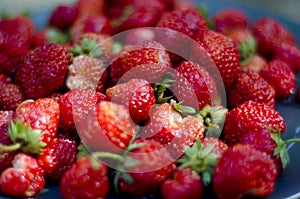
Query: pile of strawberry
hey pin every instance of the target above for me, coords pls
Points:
(69, 109)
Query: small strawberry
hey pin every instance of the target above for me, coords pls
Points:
(251, 173)
(87, 178)
(224, 53)
(228, 19)
(184, 183)
(255, 63)
(251, 86)
(44, 70)
(24, 179)
(137, 95)
(246, 116)
(279, 75)
(63, 16)
(10, 96)
(153, 167)
(58, 157)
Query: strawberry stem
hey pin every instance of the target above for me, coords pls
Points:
(109, 155)
(12, 147)
(291, 140)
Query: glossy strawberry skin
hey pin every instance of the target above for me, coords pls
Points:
(83, 180)
(279, 75)
(155, 166)
(90, 7)
(10, 96)
(184, 183)
(246, 116)
(251, 86)
(44, 70)
(97, 24)
(42, 114)
(24, 179)
(63, 16)
(137, 95)
(58, 157)
(251, 173)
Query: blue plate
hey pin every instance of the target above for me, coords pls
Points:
(288, 185)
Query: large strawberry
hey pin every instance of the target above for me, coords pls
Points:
(246, 116)
(24, 179)
(251, 173)
(87, 178)
(44, 70)
(63, 16)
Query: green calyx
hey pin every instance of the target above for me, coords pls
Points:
(24, 138)
(247, 49)
(88, 47)
(202, 9)
(160, 88)
(184, 110)
(56, 36)
(200, 159)
(213, 118)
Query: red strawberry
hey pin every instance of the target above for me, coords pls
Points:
(279, 75)
(224, 53)
(139, 36)
(184, 183)
(58, 157)
(154, 165)
(87, 178)
(4, 79)
(24, 179)
(150, 58)
(97, 24)
(49, 35)
(137, 95)
(10, 96)
(251, 173)
(194, 80)
(219, 146)
(63, 16)
(90, 7)
(270, 34)
(256, 63)
(44, 70)
(76, 104)
(251, 86)
(246, 116)
(228, 19)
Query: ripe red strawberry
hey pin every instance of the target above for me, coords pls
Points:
(4, 79)
(107, 128)
(137, 95)
(154, 165)
(219, 146)
(63, 16)
(44, 70)
(246, 116)
(10, 96)
(90, 7)
(270, 34)
(251, 86)
(6, 157)
(194, 83)
(224, 53)
(87, 178)
(279, 75)
(24, 179)
(151, 58)
(251, 173)
(76, 104)
(184, 183)
(139, 36)
(228, 19)
(256, 63)
(58, 157)
(49, 35)
(97, 24)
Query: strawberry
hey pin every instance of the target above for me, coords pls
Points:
(4, 79)
(270, 34)
(228, 19)
(137, 95)
(24, 179)
(154, 165)
(251, 86)
(246, 116)
(219, 146)
(75, 104)
(10, 96)
(150, 58)
(139, 36)
(90, 7)
(87, 178)
(107, 128)
(255, 63)
(184, 183)
(224, 53)
(44, 70)
(194, 80)
(58, 157)
(279, 75)
(6, 157)
(251, 173)
(63, 16)
(97, 24)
